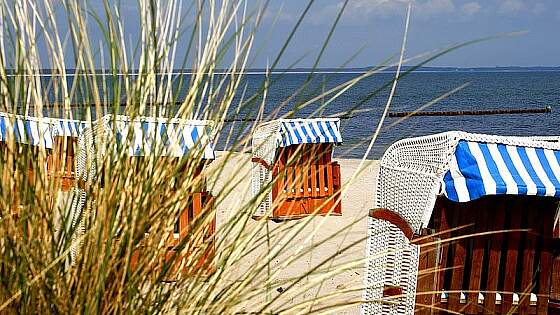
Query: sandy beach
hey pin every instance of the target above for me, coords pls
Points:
(345, 284)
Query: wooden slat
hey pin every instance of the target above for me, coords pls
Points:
(481, 211)
(443, 228)
(511, 258)
(330, 186)
(305, 169)
(289, 181)
(494, 257)
(298, 183)
(322, 181)
(528, 257)
(197, 204)
(184, 222)
(545, 260)
(459, 260)
(555, 281)
(337, 186)
(427, 275)
(314, 181)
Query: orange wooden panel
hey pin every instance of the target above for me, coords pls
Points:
(314, 180)
(322, 181)
(330, 185)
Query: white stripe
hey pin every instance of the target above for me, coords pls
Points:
(511, 185)
(21, 131)
(301, 132)
(289, 129)
(309, 133)
(187, 133)
(322, 138)
(487, 179)
(36, 139)
(327, 132)
(554, 166)
(514, 155)
(47, 135)
(138, 137)
(534, 159)
(459, 181)
(336, 136)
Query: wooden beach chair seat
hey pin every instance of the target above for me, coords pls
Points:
(292, 163)
(149, 141)
(465, 223)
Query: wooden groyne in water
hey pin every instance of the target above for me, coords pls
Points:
(547, 109)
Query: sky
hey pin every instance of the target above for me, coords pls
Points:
(375, 27)
(370, 31)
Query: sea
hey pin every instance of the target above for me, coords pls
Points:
(362, 104)
(484, 91)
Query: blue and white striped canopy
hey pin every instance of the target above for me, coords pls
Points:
(38, 131)
(34, 131)
(164, 137)
(478, 169)
(68, 127)
(299, 131)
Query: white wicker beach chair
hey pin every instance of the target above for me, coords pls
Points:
(271, 136)
(462, 167)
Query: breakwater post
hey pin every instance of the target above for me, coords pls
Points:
(547, 109)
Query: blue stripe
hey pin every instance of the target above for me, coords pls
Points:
(69, 124)
(146, 135)
(469, 168)
(308, 136)
(320, 125)
(450, 189)
(521, 185)
(287, 138)
(163, 133)
(315, 135)
(493, 169)
(3, 128)
(296, 132)
(331, 131)
(541, 190)
(16, 131)
(548, 171)
(194, 136)
(28, 134)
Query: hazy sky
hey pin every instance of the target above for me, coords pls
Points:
(377, 26)
(374, 28)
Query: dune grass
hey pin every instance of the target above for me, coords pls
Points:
(59, 261)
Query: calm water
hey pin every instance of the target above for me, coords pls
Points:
(487, 90)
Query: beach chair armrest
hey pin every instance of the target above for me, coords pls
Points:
(262, 162)
(394, 218)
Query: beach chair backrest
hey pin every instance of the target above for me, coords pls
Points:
(484, 270)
